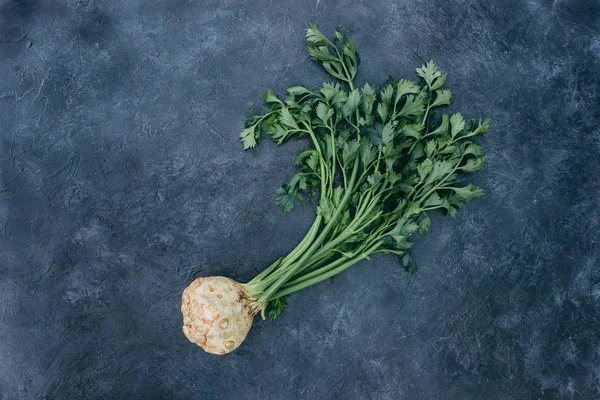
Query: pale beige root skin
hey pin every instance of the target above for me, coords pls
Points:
(217, 314)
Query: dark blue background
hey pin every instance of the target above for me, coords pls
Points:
(122, 179)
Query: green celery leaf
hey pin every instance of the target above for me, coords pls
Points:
(367, 152)
(350, 151)
(424, 168)
(430, 73)
(324, 112)
(276, 306)
(298, 181)
(352, 103)
(434, 200)
(342, 138)
(457, 122)
(468, 192)
(403, 87)
(286, 118)
(442, 129)
(409, 263)
(430, 147)
(472, 148)
(373, 133)
(314, 36)
(313, 161)
(413, 130)
(249, 137)
(278, 134)
(441, 169)
(473, 165)
(284, 199)
(350, 57)
(374, 179)
(366, 103)
(439, 82)
(387, 134)
(339, 34)
(325, 209)
(414, 106)
(387, 93)
(481, 128)
(321, 54)
(328, 90)
(339, 97)
(383, 112)
(448, 150)
(405, 227)
(424, 223)
(412, 209)
(442, 98)
(298, 91)
(334, 68)
(271, 97)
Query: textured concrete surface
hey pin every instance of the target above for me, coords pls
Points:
(122, 179)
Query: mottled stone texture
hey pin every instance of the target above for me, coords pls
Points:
(122, 180)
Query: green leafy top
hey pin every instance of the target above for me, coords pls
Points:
(380, 160)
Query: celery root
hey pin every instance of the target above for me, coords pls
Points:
(380, 161)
